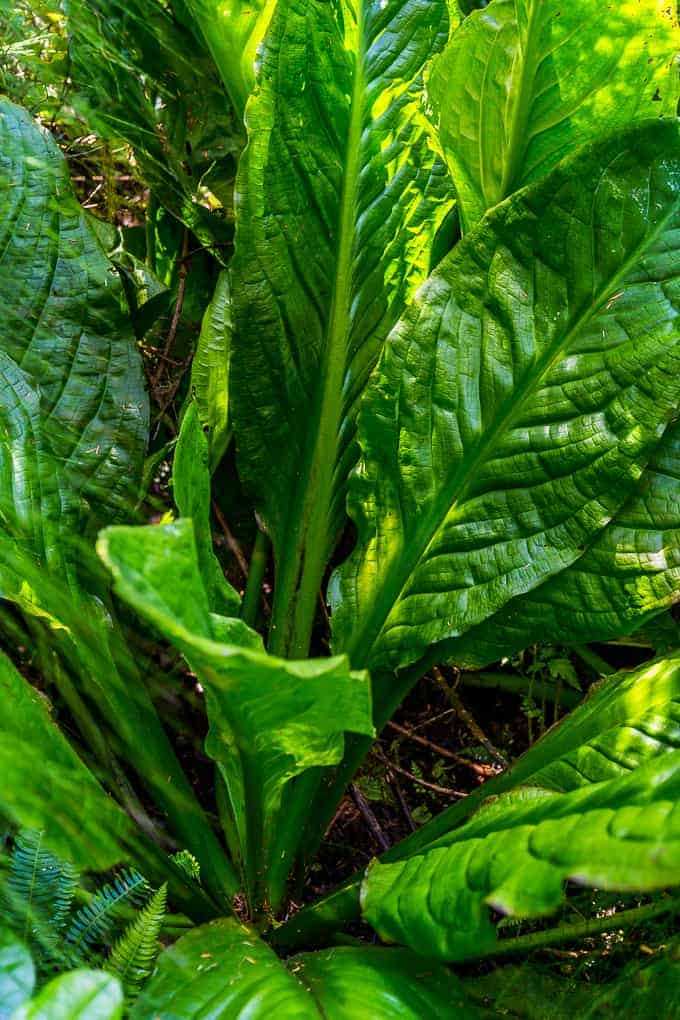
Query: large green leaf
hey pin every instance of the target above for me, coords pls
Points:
(631, 572)
(524, 81)
(271, 720)
(517, 402)
(84, 647)
(233, 31)
(17, 973)
(628, 720)
(210, 370)
(225, 969)
(338, 199)
(515, 855)
(36, 501)
(63, 321)
(74, 419)
(78, 995)
(45, 785)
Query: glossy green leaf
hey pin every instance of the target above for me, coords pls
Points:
(270, 719)
(47, 786)
(517, 402)
(225, 969)
(233, 31)
(525, 81)
(36, 500)
(78, 995)
(210, 370)
(372, 983)
(191, 490)
(17, 973)
(630, 573)
(83, 638)
(515, 855)
(338, 198)
(628, 720)
(63, 321)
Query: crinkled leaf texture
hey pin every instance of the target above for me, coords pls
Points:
(17, 973)
(628, 721)
(516, 854)
(74, 418)
(630, 574)
(338, 198)
(517, 402)
(64, 322)
(270, 719)
(524, 81)
(77, 995)
(226, 969)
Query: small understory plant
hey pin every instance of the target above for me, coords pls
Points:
(446, 353)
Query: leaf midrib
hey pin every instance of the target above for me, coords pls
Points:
(520, 115)
(312, 499)
(399, 571)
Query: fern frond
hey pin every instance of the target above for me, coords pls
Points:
(187, 863)
(91, 925)
(39, 888)
(133, 957)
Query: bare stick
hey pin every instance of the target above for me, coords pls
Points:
(177, 312)
(394, 782)
(468, 719)
(231, 541)
(443, 752)
(444, 790)
(369, 817)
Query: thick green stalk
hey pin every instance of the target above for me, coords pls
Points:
(256, 571)
(584, 929)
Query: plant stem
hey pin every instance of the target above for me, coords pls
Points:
(595, 661)
(517, 685)
(584, 929)
(256, 572)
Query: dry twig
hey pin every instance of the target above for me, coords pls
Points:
(369, 817)
(443, 752)
(468, 719)
(444, 790)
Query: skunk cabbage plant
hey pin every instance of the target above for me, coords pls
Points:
(446, 350)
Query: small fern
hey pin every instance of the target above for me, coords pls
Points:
(91, 925)
(39, 889)
(133, 956)
(187, 863)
